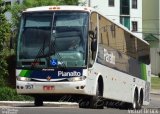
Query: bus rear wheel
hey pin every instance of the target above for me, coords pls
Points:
(140, 102)
(38, 101)
(134, 105)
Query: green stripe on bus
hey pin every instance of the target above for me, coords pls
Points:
(28, 73)
(25, 73)
(143, 72)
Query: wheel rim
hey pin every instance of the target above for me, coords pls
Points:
(134, 104)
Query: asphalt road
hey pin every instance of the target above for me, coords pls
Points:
(153, 108)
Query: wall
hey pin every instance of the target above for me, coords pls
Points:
(110, 12)
(136, 15)
(113, 13)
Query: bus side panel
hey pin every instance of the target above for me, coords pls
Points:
(117, 85)
(121, 74)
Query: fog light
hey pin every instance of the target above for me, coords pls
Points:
(23, 78)
(82, 87)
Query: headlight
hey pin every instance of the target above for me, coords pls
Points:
(74, 79)
(23, 79)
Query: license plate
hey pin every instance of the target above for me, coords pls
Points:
(48, 88)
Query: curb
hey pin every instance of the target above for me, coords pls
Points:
(31, 103)
(154, 91)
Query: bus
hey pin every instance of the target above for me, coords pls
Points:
(76, 52)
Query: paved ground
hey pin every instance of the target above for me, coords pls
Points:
(27, 107)
(55, 110)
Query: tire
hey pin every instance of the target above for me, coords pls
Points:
(97, 102)
(140, 102)
(134, 105)
(84, 103)
(38, 101)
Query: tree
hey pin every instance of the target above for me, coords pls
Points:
(4, 36)
(70, 2)
(34, 3)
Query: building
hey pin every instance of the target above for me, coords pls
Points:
(10, 2)
(126, 12)
(151, 31)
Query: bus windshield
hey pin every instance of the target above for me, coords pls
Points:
(47, 36)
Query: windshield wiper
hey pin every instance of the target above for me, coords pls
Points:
(55, 52)
(42, 54)
(52, 50)
(53, 45)
(39, 55)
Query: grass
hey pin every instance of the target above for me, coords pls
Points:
(155, 82)
(9, 94)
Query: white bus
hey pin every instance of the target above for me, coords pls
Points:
(74, 51)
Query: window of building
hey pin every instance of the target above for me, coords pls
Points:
(18, 1)
(125, 20)
(111, 3)
(124, 7)
(134, 25)
(134, 4)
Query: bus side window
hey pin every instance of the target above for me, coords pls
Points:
(144, 59)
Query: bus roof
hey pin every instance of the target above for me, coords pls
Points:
(56, 8)
(78, 8)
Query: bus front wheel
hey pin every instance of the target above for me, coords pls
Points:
(97, 102)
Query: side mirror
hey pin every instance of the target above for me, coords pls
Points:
(93, 41)
(94, 45)
(91, 34)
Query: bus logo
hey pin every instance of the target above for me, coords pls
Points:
(48, 78)
(109, 57)
(73, 73)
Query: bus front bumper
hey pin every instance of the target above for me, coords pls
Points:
(24, 87)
